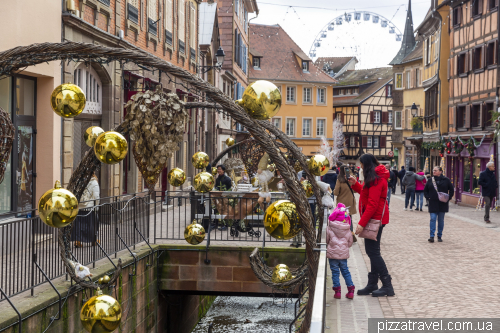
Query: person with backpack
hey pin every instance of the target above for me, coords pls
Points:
(409, 181)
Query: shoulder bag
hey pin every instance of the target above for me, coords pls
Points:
(370, 231)
(443, 197)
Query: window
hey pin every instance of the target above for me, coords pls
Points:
(492, 4)
(461, 118)
(417, 77)
(398, 121)
(355, 91)
(341, 92)
(476, 115)
(152, 17)
(388, 90)
(277, 122)
(477, 8)
(478, 58)
(133, 11)
(427, 51)
(320, 127)
(182, 29)
(169, 22)
(487, 116)
(376, 117)
(256, 63)
(306, 127)
(369, 141)
(192, 30)
(321, 96)
(352, 141)
(457, 16)
(389, 117)
(491, 58)
(306, 98)
(348, 91)
(305, 66)
(399, 80)
(290, 94)
(290, 127)
(462, 64)
(376, 141)
(408, 80)
(336, 92)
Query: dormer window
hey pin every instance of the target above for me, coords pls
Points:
(305, 66)
(256, 63)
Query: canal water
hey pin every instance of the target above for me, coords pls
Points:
(248, 315)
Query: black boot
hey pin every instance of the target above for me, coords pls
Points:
(371, 286)
(386, 289)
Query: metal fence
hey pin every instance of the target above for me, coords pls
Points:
(102, 229)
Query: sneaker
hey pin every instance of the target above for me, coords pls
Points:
(440, 240)
(431, 240)
(406, 208)
(411, 209)
(420, 209)
(488, 221)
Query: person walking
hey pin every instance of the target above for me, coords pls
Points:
(344, 192)
(373, 205)
(339, 240)
(86, 224)
(331, 179)
(489, 185)
(437, 208)
(428, 179)
(409, 181)
(394, 180)
(390, 181)
(419, 190)
(401, 175)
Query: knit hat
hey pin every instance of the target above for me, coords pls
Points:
(341, 214)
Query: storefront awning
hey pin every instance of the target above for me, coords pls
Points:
(415, 138)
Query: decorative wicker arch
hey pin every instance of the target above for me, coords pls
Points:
(263, 132)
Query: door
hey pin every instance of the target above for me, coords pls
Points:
(458, 178)
(24, 152)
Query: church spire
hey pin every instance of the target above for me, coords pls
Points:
(408, 43)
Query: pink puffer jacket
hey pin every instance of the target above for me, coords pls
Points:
(420, 185)
(339, 240)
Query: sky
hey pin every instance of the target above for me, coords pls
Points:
(369, 42)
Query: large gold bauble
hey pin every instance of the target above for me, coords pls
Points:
(281, 274)
(318, 165)
(101, 314)
(194, 233)
(58, 207)
(176, 177)
(282, 220)
(297, 166)
(91, 134)
(110, 147)
(261, 100)
(306, 185)
(230, 142)
(204, 182)
(214, 171)
(200, 160)
(67, 100)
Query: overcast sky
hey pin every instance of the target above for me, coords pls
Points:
(304, 24)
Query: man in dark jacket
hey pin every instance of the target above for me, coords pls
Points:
(394, 180)
(331, 178)
(223, 182)
(390, 181)
(437, 208)
(489, 185)
(401, 175)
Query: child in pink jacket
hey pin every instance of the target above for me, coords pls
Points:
(339, 240)
(419, 191)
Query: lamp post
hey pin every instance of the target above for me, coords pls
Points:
(414, 110)
(219, 55)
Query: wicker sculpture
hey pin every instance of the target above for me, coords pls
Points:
(262, 131)
(6, 140)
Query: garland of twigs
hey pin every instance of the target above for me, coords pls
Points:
(19, 57)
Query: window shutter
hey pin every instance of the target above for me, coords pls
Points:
(425, 52)
(342, 118)
(467, 116)
(385, 117)
(469, 61)
(348, 141)
(483, 48)
(496, 3)
(484, 115)
(449, 61)
(371, 117)
(495, 49)
(403, 118)
(383, 141)
(364, 141)
(481, 114)
(356, 141)
(480, 5)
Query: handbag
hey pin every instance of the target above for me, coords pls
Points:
(370, 231)
(443, 197)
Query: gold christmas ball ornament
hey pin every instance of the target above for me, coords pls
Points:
(318, 165)
(230, 142)
(297, 166)
(261, 100)
(91, 134)
(67, 100)
(194, 233)
(282, 220)
(214, 171)
(271, 167)
(176, 177)
(281, 274)
(204, 182)
(306, 185)
(110, 147)
(58, 207)
(200, 160)
(104, 280)
(101, 313)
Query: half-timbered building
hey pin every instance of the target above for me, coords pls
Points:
(473, 75)
(362, 100)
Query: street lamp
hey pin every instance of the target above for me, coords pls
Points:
(414, 110)
(219, 55)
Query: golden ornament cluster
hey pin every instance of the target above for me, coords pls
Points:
(307, 186)
(68, 100)
(204, 182)
(110, 147)
(176, 177)
(282, 220)
(58, 207)
(261, 100)
(318, 165)
(101, 313)
(281, 274)
(91, 134)
(200, 160)
(194, 233)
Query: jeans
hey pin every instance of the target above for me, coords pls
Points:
(372, 249)
(420, 199)
(440, 217)
(389, 191)
(487, 207)
(335, 264)
(402, 188)
(410, 193)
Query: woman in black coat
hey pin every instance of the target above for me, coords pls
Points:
(437, 209)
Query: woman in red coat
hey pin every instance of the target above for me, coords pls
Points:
(373, 205)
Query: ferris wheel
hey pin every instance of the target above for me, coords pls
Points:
(361, 34)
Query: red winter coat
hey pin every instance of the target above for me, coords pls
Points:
(420, 185)
(373, 199)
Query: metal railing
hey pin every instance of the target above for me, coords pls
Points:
(319, 302)
(26, 242)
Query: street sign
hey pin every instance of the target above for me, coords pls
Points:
(390, 154)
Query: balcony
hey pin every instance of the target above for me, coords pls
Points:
(417, 125)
